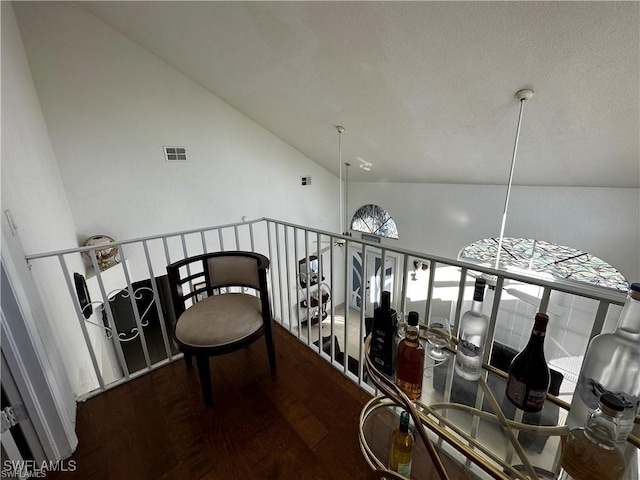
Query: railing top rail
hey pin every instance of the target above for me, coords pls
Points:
(55, 253)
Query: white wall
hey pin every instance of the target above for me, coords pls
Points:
(111, 106)
(442, 219)
(32, 190)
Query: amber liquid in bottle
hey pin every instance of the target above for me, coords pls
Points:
(410, 360)
(401, 447)
(590, 453)
(581, 461)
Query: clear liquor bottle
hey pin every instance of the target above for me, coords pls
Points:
(472, 336)
(590, 453)
(612, 365)
(410, 360)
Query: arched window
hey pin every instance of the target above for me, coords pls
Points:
(372, 219)
(545, 257)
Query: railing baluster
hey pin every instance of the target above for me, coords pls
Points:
(251, 240)
(308, 285)
(279, 267)
(134, 307)
(319, 292)
(544, 301)
(332, 352)
(403, 287)
(297, 277)
(156, 296)
(287, 273)
(271, 269)
(204, 243)
(363, 304)
(432, 281)
(110, 318)
(461, 286)
(81, 319)
(598, 322)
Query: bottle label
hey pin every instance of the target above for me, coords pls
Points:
(469, 349)
(470, 365)
(383, 349)
(404, 469)
(469, 357)
(523, 397)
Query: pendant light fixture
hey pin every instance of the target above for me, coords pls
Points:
(522, 96)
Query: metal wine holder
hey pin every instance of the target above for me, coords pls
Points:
(431, 417)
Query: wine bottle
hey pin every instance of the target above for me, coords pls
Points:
(612, 365)
(472, 336)
(590, 452)
(401, 447)
(383, 343)
(410, 360)
(529, 375)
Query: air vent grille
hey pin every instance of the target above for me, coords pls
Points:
(175, 154)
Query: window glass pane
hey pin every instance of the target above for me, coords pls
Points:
(374, 219)
(545, 257)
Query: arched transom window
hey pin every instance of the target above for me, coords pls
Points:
(375, 220)
(545, 257)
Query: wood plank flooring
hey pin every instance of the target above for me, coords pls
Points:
(298, 424)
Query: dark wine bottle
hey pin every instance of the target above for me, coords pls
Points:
(529, 375)
(383, 334)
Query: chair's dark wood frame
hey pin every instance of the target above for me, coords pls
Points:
(202, 354)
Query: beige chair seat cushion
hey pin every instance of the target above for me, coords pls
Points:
(219, 320)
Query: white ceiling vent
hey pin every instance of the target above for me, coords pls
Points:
(175, 154)
(305, 181)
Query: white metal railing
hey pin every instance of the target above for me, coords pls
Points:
(338, 290)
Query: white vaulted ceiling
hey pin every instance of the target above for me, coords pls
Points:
(425, 90)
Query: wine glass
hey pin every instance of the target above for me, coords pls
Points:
(402, 326)
(438, 337)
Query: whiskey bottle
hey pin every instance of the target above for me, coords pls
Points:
(472, 335)
(383, 336)
(529, 374)
(410, 360)
(401, 447)
(590, 452)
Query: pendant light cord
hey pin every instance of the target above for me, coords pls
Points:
(340, 206)
(521, 95)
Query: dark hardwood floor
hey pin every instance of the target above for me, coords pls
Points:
(301, 423)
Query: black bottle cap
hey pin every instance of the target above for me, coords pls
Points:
(404, 421)
(413, 319)
(385, 300)
(634, 291)
(611, 401)
(478, 294)
(635, 287)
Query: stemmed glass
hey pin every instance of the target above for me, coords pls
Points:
(438, 337)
